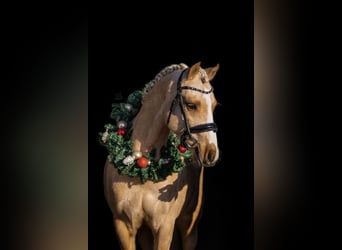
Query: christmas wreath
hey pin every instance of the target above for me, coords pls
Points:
(116, 139)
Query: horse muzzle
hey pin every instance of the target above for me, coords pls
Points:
(207, 153)
(210, 155)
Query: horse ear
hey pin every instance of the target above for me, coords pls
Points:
(194, 70)
(211, 72)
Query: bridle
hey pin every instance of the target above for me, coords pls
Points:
(187, 139)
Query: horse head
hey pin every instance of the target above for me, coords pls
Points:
(191, 112)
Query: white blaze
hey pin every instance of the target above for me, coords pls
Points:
(210, 119)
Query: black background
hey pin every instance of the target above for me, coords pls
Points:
(128, 51)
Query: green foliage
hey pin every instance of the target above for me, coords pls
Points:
(119, 147)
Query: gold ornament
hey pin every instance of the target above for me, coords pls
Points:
(137, 154)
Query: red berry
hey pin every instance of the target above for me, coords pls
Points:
(181, 148)
(121, 131)
(142, 162)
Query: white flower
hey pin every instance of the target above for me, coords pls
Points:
(128, 160)
(104, 137)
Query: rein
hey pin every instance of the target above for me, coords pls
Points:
(186, 138)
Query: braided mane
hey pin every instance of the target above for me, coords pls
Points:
(165, 71)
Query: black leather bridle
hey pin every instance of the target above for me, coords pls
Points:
(187, 139)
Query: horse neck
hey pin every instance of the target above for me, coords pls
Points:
(150, 130)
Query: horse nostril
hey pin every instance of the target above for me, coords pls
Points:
(211, 154)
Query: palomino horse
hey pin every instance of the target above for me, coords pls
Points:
(164, 213)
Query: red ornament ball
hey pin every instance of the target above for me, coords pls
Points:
(181, 148)
(142, 162)
(121, 131)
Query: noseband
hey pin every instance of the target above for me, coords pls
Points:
(186, 138)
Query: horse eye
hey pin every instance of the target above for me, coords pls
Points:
(190, 106)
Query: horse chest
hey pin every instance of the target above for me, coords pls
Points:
(149, 201)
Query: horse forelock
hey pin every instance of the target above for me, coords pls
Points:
(165, 71)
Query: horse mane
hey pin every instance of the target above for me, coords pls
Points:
(165, 71)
